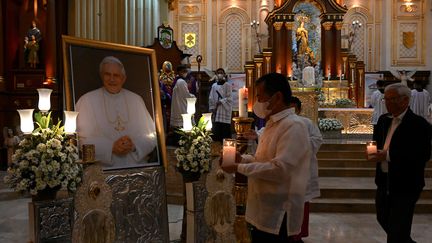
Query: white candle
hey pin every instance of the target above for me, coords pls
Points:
(243, 102)
(229, 151)
(371, 147)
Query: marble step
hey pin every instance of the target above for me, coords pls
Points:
(355, 172)
(423, 206)
(351, 163)
(341, 155)
(343, 147)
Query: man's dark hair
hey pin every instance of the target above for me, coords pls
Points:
(181, 68)
(296, 101)
(220, 69)
(274, 82)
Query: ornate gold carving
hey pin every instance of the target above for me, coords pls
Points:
(310, 100)
(190, 9)
(289, 25)
(408, 8)
(327, 25)
(408, 39)
(338, 25)
(277, 25)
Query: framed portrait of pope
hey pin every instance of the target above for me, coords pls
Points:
(115, 90)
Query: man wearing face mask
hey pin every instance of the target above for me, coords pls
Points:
(220, 104)
(279, 170)
(179, 102)
(377, 102)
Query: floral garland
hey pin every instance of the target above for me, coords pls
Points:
(329, 124)
(45, 159)
(344, 102)
(194, 153)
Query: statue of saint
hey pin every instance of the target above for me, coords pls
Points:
(31, 45)
(302, 39)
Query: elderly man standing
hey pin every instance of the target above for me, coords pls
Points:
(279, 171)
(404, 147)
(115, 120)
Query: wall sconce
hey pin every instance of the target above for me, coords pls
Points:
(44, 104)
(207, 118)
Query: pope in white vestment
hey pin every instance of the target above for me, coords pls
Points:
(115, 120)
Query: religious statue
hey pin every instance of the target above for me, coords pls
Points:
(32, 44)
(403, 76)
(10, 141)
(31, 51)
(302, 39)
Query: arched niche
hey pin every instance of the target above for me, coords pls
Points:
(281, 23)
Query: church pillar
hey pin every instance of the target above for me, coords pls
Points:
(327, 49)
(338, 45)
(352, 80)
(267, 59)
(279, 49)
(50, 44)
(250, 78)
(288, 56)
(360, 84)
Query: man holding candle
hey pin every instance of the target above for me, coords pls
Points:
(279, 171)
(404, 146)
(220, 104)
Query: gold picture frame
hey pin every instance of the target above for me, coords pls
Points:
(81, 59)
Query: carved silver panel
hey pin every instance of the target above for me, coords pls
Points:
(139, 204)
(53, 220)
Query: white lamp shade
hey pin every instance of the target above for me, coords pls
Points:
(187, 122)
(191, 105)
(26, 120)
(207, 118)
(44, 104)
(70, 121)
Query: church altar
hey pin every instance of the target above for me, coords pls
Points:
(354, 120)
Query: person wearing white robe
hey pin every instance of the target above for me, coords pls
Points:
(377, 102)
(420, 101)
(179, 102)
(115, 120)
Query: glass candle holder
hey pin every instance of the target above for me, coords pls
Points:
(44, 104)
(187, 122)
(191, 105)
(70, 122)
(207, 118)
(26, 120)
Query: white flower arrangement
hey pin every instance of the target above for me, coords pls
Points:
(45, 159)
(344, 102)
(194, 153)
(329, 124)
(320, 95)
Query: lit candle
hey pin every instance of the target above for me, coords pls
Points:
(187, 122)
(26, 120)
(371, 147)
(207, 118)
(329, 73)
(229, 151)
(243, 102)
(191, 105)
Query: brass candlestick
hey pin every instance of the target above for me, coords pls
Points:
(241, 125)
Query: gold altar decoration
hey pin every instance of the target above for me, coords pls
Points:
(354, 120)
(241, 125)
(190, 39)
(408, 39)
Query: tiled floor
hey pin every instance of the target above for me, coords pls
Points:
(324, 227)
